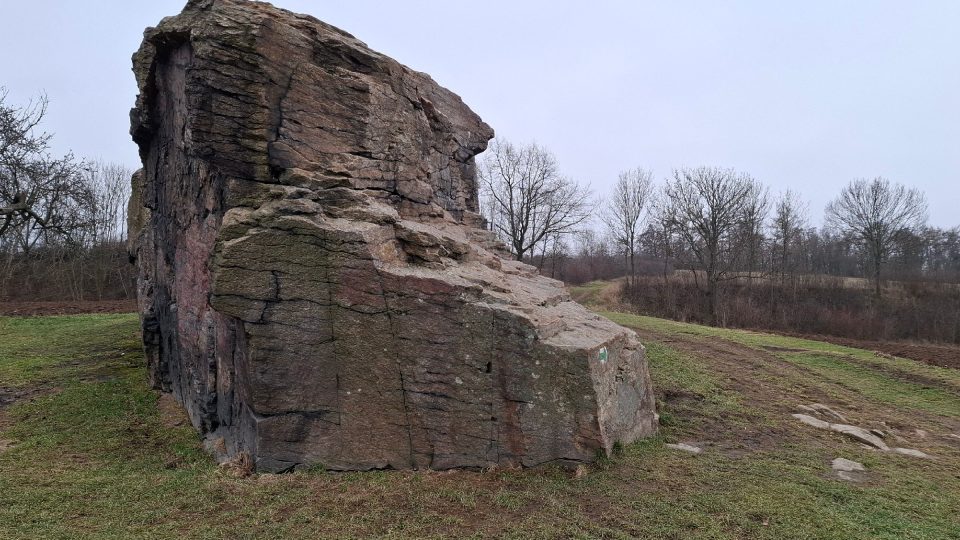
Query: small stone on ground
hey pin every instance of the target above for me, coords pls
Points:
(847, 465)
(850, 476)
(824, 409)
(811, 421)
(685, 447)
(857, 433)
(913, 453)
(860, 434)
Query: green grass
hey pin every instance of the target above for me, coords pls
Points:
(589, 293)
(34, 349)
(883, 379)
(763, 339)
(93, 458)
(684, 375)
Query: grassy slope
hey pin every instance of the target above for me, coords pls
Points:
(94, 457)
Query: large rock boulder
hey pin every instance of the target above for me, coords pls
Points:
(316, 286)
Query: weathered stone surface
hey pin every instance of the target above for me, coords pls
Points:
(859, 434)
(825, 410)
(854, 432)
(811, 421)
(315, 283)
(912, 453)
(846, 465)
(684, 447)
(849, 470)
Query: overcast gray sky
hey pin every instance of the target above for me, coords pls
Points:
(804, 96)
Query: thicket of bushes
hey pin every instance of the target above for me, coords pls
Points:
(811, 305)
(68, 273)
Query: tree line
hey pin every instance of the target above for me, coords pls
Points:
(62, 219)
(715, 235)
(718, 233)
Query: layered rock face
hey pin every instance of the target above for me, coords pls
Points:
(316, 286)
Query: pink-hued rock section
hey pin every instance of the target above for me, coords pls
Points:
(315, 283)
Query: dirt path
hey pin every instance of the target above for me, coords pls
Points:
(772, 388)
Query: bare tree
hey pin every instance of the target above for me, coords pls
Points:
(659, 240)
(707, 207)
(526, 198)
(102, 257)
(876, 213)
(786, 227)
(109, 184)
(623, 213)
(40, 195)
(62, 220)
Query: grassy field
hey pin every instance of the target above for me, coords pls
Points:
(86, 451)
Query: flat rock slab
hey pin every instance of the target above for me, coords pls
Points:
(848, 470)
(859, 434)
(827, 411)
(684, 447)
(811, 421)
(851, 476)
(315, 281)
(912, 453)
(843, 464)
(856, 433)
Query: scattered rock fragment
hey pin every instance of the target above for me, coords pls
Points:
(879, 433)
(854, 432)
(912, 453)
(847, 465)
(849, 470)
(861, 435)
(827, 411)
(685, 447)
(811, 421)
(869, 438)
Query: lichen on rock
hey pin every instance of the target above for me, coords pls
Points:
(315, 283)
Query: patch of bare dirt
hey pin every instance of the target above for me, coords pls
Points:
(768, 386)
(8, 396)
(30, 309)
(774, 388)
